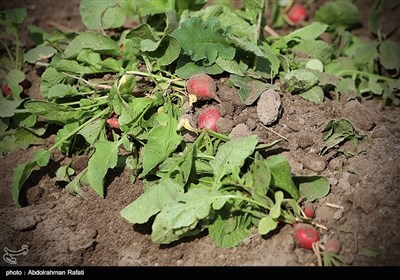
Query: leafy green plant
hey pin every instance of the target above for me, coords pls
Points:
(337, 132)
(136, 76)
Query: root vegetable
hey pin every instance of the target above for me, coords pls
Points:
(309, 210)
(305, 235)
(203, 87)
(297, 13)
(6, 90)
(113, 122)
(333, 246)
(208, 119)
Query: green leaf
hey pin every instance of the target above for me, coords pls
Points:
(231, 156)
(93, 131)
(315, 64)
(370, 252)
(165, 51)
(63, 133)
(52, 111)
(64, 173)
(275, 211)
(246, 45)
(337, 132)
(339, 13)
(42, 157)
(21, 139)
(23, 171)
(177, 219)
(390, 55)
(314, 94)
(312, 187)
(314, 49)
(50, 78)
(163, 139)
(152, 201)
(7, 106)
(250, 89)
(73, 66)
(13, 79)
(74, 186)
(126, 85)
(229, 229)
(261, 175)
(203, 40)
(15, 16)
(231, 66)
(374, 86)
(102, 14)
(267, 224)
(39, 53)
(299, 80)
(89, 57)
(4, 124)
(185, 69)
(151, 7)
(309, 32)
(60, 91)
(21, 174)
(281, 175)
(90, 40)
(374, 16)
(105, 157)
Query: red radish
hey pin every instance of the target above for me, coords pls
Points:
(6, 90)
(305, 235)
(202, 86)
(309, 210)
(113, 122)
(333, 246)
(208, 119)
(297, 13)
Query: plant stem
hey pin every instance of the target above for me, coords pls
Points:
(7, 50)
(218, 135)
(249, 200)
(176, 82)
(76, 130)
(350, 72)
(17, 44)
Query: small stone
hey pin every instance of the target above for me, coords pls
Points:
(314, 162)
(224, 125)
(380, 132)
(246, 241)
(269, 106)
(179, 262)
(23, 223)
(332, 181)
(358, 115)
(239, 131)
(353, 179)
(338, 214)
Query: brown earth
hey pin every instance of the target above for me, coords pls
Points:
(61, 229)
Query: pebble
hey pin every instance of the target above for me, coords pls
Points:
(23, 223)
(338, 214)
(239, 131)
(314, 162)
(358, 115)
(269, 106)
(380, 132)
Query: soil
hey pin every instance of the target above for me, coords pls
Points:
(65, 230)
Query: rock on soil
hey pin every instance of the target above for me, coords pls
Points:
(360, 117)
(269, 106)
